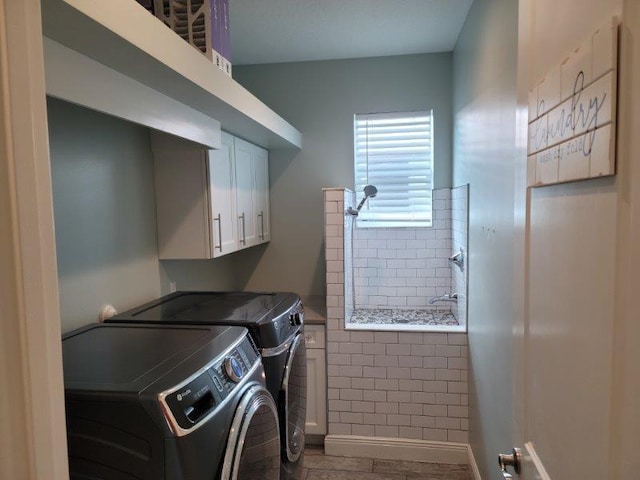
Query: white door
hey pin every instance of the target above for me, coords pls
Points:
(566, 360)
(569, 357)
(224, 234)
(246, 216)
(261, 188)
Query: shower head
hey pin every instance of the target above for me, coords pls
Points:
(369, 191)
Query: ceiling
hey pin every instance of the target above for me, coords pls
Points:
(275, 31)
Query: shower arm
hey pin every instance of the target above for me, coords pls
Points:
(360, 205)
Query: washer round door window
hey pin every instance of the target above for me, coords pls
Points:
(294, 385)
(253, 448)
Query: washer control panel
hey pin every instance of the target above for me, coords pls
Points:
(296, 314)
(194, 401)
(233, 369)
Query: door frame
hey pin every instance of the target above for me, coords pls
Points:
(521, 225)
(34, 437)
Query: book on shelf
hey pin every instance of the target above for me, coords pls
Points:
(226, 37)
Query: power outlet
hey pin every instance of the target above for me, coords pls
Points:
(172, 287)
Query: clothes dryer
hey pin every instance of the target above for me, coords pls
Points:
(171, 403)
(276, 324)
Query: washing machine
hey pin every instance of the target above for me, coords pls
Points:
(168, 403)
(275, 322)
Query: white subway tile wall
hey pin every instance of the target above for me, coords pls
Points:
(404, 267)
(388, 384)
(460, 239)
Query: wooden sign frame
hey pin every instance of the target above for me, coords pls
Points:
(572, 114)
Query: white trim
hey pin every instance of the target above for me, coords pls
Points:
(396, 449)
(537, 463)
(473, 466)
(30, 284)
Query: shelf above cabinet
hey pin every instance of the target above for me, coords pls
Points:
(123, 36)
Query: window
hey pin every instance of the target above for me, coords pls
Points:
(394, 152)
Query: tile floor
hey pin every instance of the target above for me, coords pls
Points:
(319, 466)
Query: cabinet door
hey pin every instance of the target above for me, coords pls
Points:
(245, 213)
(261, 188)
(224, 234)
(316, 381)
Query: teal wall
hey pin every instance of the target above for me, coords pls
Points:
(105, 219)
(320, 99)
(104, 209)
(484, 106)
(104, 201)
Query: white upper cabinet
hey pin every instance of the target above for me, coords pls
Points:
(115, 57)
(209, 202)
(245, 193)
(252, 176)
(261, 178)
(222, 190)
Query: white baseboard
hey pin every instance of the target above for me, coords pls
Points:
(396, 449)
(473, 465)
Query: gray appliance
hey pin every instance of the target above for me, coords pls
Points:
(171, 403)
(275, 322)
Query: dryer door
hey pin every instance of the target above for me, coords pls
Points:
(294, 386)
(253, 448)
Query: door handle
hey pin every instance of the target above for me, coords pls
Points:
(219, 220)
(261, 215)
(510, 460)
(244, 236)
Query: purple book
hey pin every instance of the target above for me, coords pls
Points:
(226, 33)
(216, 27)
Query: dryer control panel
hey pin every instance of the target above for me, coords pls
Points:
(194, 401)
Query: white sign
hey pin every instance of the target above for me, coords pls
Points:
(572, 114)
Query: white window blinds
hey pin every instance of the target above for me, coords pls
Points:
(394, 152)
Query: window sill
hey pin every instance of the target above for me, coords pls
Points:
(378, 224)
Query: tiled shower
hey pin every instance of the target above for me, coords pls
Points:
(394, 383)
(395, 278)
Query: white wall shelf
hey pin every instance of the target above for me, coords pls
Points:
(123, 36)
(101, 88)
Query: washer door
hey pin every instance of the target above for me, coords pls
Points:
(253, 448)
(294, 386)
